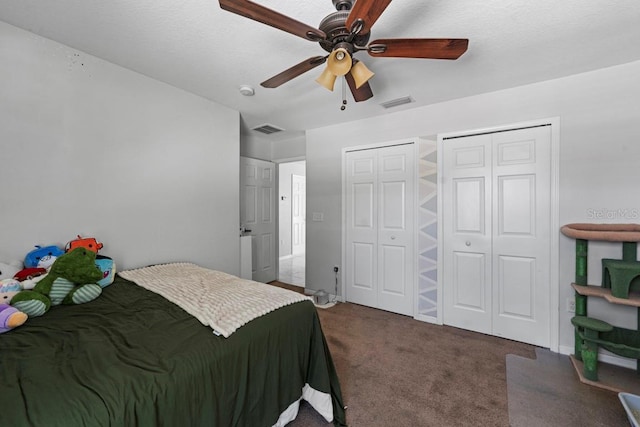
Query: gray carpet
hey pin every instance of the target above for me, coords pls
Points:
(396, 371)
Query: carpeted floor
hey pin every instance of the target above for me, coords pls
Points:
(396, 371)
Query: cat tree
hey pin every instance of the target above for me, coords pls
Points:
(620, 283)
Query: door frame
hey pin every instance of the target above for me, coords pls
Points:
(277, 202)
(554, 227)
(343, 258)
(303, 215)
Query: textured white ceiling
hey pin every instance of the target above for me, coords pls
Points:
(196, 46)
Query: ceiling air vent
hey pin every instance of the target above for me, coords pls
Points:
(397, 102)
(267, 129)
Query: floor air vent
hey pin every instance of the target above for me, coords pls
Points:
(267, 129)
(397, 102)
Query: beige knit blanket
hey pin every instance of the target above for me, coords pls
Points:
(219, 300)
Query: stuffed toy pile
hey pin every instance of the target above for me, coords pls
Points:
(51, 276)
(72, 279)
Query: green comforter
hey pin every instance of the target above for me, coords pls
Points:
(132, 358)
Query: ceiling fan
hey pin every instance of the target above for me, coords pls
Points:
(344, 33)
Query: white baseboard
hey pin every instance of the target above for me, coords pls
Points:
(606, 357)
(427, 319)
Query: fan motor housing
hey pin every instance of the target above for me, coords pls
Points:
(343, 4)
(335, 29)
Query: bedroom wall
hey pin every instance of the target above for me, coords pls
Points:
(94, 149)
(288, 150)
(599, 149)
(277, 151)
(255, 147)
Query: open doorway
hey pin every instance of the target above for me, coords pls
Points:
(292, 222)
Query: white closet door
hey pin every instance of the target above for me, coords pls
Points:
(521, 233)
(496, 233)
(362, 227)
(380, 228)
(396, 210)
(467, 222)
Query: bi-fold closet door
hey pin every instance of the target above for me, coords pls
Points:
(496, 223)
(379, 234)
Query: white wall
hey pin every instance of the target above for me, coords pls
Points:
(285, 171)
(255, 147)
(94, 149)
(288, 149)
(599, 151)
(263, 148)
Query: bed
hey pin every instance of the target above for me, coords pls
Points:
(132, 357)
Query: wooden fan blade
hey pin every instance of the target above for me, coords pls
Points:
(272, 18)
(361, 94)
(367, 10)
(419, 48)
(294, 71)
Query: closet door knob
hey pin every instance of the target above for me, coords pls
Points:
(468, 243)
(393, 237)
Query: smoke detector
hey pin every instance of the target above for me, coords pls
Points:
(247, 90)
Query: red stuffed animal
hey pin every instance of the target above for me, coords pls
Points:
(86, 242)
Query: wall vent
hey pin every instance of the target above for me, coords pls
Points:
(267, 129)
(397, 102)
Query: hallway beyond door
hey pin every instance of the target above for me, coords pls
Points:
(292, 270)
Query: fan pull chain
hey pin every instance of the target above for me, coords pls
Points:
(344, 95)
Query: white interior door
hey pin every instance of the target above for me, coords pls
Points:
(522, 234)
(257, 215)
(467, 240)
(380, 213)
(361, 227)
(298, 213)
(497, 233)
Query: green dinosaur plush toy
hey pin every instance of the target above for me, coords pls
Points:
(72, 279)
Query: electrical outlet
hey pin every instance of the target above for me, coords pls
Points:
(571, 305)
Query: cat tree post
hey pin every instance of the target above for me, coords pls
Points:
(582, 250)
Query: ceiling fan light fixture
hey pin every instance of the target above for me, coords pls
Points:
(343, 33)
(327, 79)
(339, 62)
(360, 73)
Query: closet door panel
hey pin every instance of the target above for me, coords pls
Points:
(396, 210)
(467, 263)
(361, 228)
(516, 279)
(379, 240)
(521, 217)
